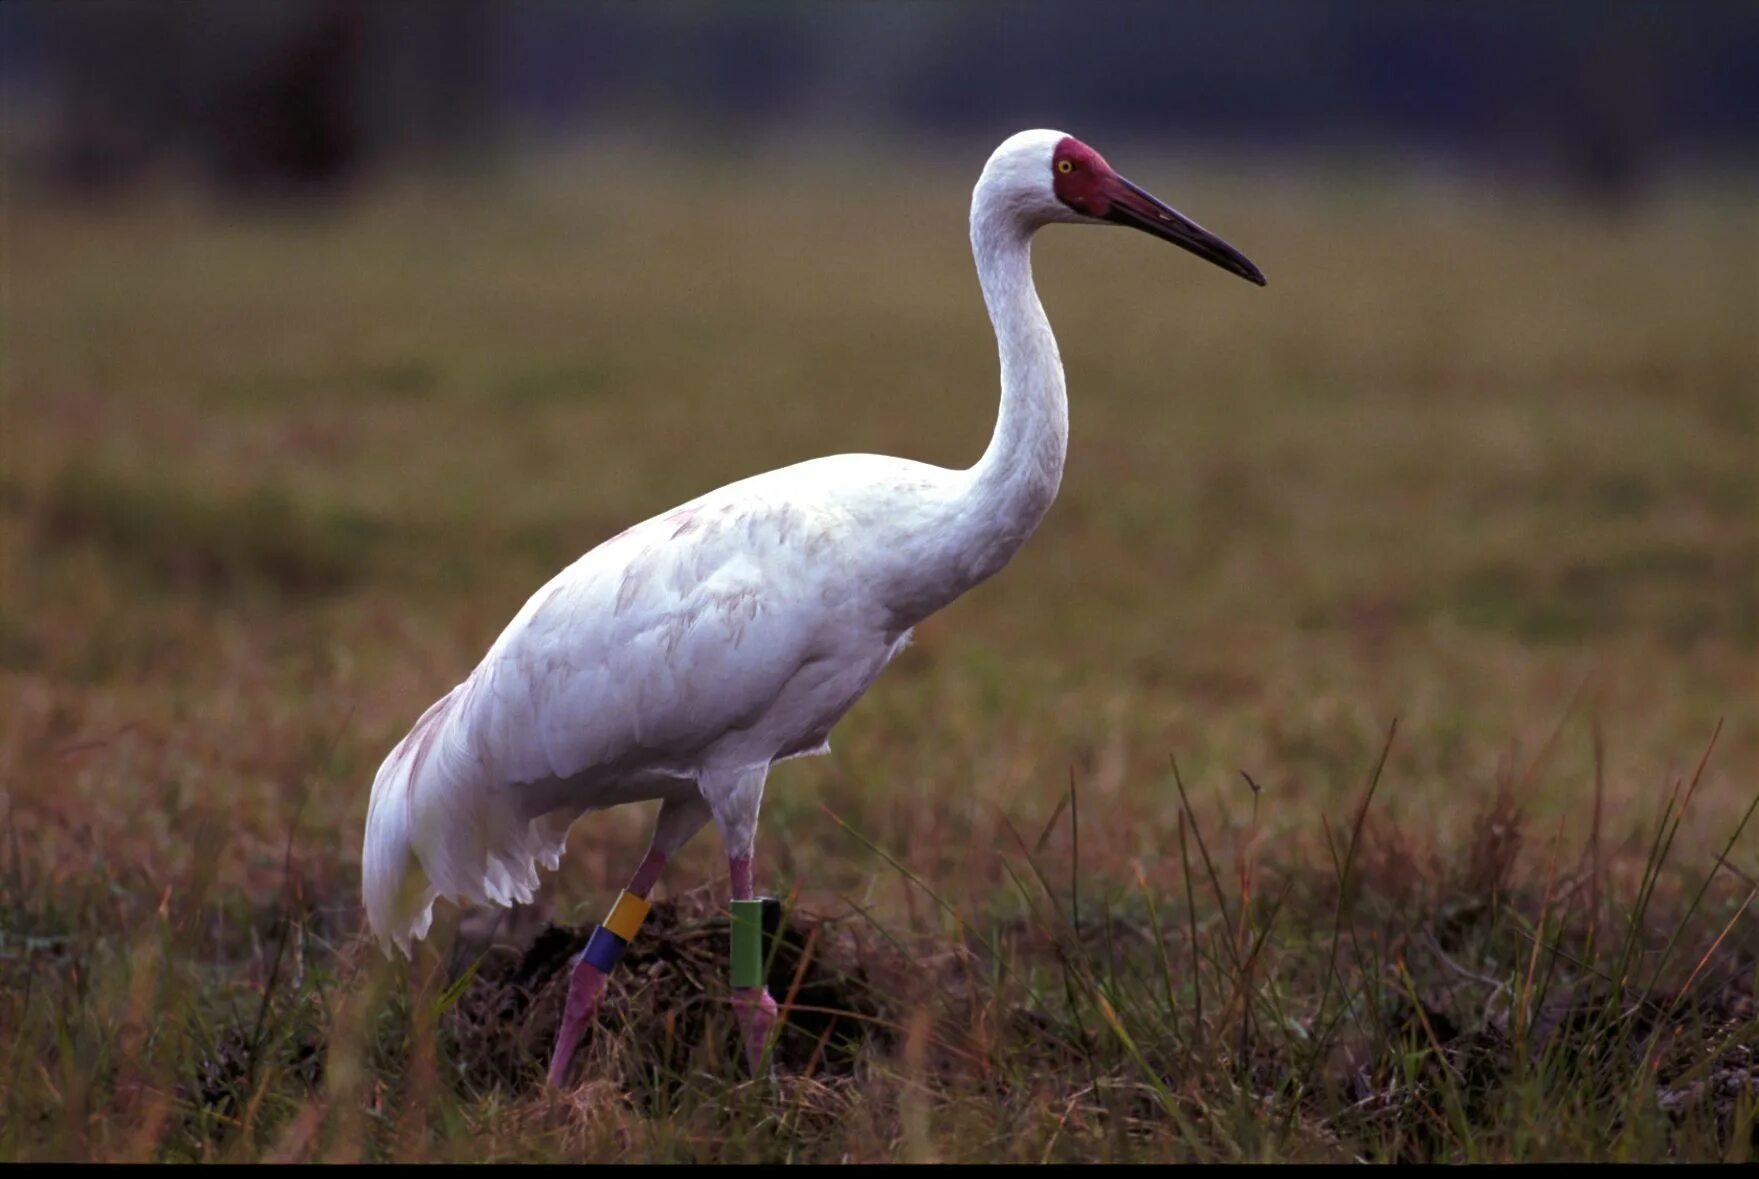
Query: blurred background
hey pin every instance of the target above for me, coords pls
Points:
(332, 329)
(310, 95)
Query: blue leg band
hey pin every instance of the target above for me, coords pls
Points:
(603, 949)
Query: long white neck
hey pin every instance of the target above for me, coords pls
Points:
(1013, 484)
(985, 513)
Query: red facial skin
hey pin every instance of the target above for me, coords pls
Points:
(1082, 186)
(1083, 181)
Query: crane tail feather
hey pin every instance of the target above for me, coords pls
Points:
(437, 826)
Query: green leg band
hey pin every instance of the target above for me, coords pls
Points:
(747, 944)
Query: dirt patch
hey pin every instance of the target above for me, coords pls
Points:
(671, 992)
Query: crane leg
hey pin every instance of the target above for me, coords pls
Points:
(753, 1006)
(679, 819)
(735, 802)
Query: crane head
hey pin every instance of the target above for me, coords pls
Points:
(1051, 176)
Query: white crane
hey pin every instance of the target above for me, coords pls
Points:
(683, 658)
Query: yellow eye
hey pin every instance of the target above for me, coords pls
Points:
(1065, 166)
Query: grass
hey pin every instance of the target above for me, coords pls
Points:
(1479, 459)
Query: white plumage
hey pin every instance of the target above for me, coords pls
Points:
(682, 658)
(695, 647)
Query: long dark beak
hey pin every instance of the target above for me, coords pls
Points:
(1130, 205)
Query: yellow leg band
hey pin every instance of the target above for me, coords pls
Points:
(626, 916)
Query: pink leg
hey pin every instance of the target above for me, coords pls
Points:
(586, 986)
(753, 1006)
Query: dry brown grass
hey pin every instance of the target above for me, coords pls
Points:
(1478, 459)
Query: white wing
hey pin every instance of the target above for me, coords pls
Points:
(731, 631)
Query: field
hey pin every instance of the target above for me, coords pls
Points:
(1353, 766)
